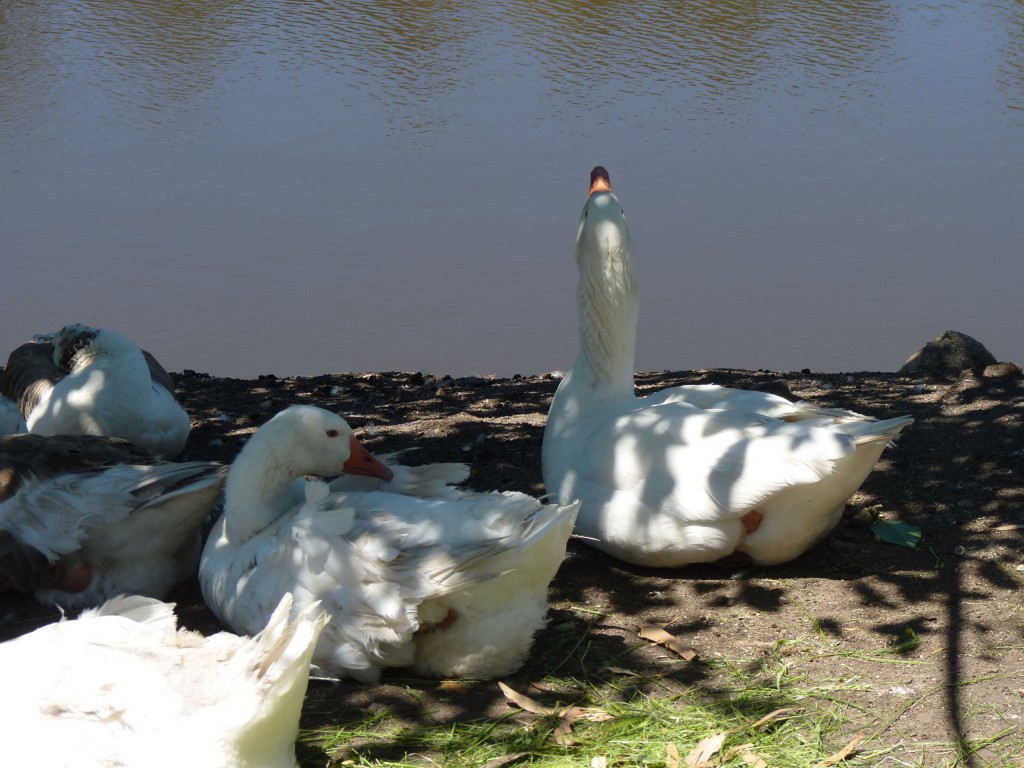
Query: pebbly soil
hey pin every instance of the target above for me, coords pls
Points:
(925, 646)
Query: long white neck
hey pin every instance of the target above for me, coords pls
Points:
(257, 480)
(606, 298)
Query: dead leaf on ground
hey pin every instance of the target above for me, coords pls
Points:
(771, 717)
(843, 753)
(563, 733)
(701, 754)
(660, 636)
(568, 716)
(525, 702)
(745, 753)
(498, 762)
(672, 756)
(621, 671)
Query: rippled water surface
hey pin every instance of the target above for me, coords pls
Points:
(294, 187)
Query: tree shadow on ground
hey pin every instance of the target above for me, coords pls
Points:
(954, 600)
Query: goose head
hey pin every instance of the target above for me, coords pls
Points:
(300, 440)
(312, 441)
(603, 235)
(77, 344)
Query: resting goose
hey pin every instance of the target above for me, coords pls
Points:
(84, 518)
(122, 686)
(88, 381)
(448, 587)
(689, 474)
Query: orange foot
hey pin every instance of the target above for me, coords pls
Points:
(77, 580)
(751, 520)
(445, 623)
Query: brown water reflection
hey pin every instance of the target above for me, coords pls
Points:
(242, 184)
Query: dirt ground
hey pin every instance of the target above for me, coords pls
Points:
(948, 613)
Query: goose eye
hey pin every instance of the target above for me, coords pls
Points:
(332, 433)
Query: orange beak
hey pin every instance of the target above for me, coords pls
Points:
(362, 462)
(599, 181)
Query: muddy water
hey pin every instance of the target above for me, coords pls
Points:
(294, 187)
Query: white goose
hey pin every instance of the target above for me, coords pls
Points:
(88, 381)
(84, 518)
(122, 686)
(695, 473)
(448, 587)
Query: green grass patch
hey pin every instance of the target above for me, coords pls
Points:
(622, 717)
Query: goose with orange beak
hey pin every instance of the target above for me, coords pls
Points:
(450, 586)
(689, 474)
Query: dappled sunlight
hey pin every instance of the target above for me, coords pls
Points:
(914, 639)
(841, 610)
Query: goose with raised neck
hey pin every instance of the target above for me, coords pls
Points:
(691, 473)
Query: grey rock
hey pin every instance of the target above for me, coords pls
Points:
(949, 354)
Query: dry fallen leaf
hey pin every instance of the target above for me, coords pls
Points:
(700, 756)
(498, 762)
(525, 702)
(568, 716)
(563, 733)
(672, 756)
(661, 637)
(771, 717)
(843, 753)
(705, 750)
(620, 671)
(744, 752)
